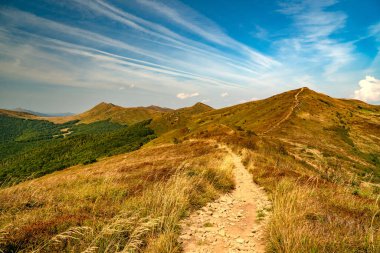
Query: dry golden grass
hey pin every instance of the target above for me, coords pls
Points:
(310, 213)
(321, 167)
(126, 203)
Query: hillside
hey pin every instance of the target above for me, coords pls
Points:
(347, 130)
(32, 148)
(17, 114)
(125, 202)
(114, 113)
(317, 157)
(178, 118)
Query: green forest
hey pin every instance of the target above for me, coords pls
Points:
(33, 148)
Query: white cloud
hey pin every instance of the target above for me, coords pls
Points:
(187, 95)
(224, 94)
(369, 89)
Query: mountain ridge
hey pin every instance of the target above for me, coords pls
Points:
(102, 107)
(317, 157)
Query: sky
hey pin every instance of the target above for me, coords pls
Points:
(69, 55)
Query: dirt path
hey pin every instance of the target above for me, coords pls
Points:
(295, 105)
(233, 223)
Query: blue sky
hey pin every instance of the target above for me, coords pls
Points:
(58, 56)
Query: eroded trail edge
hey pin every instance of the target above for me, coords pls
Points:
(233, 223)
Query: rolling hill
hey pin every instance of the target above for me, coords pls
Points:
(317, 157)
(17, 114)
(114, 113)
(301, 120)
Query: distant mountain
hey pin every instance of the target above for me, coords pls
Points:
(114, 113)
(43, 114)
(17, 114)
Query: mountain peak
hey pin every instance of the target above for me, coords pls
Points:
(104, 106)
(201, 105)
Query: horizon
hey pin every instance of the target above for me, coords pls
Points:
(90, 107)
(64, 57)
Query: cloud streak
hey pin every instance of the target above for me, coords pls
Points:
(226, 70)
(166, 47)
(195, 23)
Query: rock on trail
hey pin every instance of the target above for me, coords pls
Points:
(233, 223)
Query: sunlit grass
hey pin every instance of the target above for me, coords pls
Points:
(311, 214)
(128, 203)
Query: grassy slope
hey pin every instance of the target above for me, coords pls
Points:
(178, 119)
(114, 113)
(128, 202)
(320, 166)
(331, 134)
(321, 129)
(252, 116)
(16, 114)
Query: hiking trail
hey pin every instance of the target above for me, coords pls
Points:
(295, 105)
(233, 223)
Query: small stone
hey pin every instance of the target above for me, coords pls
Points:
(240, 240)
(185, 237)
(222, 232)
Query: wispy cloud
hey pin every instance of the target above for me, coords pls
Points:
(224, 94)
(312, 41)
(21, 19)
(195, 23)
(190, 61)
(260, 33)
